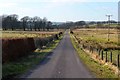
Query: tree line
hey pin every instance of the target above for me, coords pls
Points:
(11, 22)
(87, 24)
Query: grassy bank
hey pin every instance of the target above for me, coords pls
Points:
(99, 70)
(24, 64)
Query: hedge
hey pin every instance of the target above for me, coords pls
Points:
(13, 49)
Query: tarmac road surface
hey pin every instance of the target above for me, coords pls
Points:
(62, 63)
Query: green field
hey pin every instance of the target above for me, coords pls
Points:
(98, 38)
(99, 70)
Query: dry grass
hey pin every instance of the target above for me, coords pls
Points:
(26, 34)
(99, 70)
(99, 36)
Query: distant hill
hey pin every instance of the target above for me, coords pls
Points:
(57, 23)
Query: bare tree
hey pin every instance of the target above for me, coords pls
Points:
(24, 22)
(44, 22)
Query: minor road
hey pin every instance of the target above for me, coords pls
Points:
(62, 63)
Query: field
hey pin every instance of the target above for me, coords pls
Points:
(98, 40)
(16, 44)
(26, 34)
(23, 49)
(104, 25)
(26, 63)
(99, 70)
(99, 36)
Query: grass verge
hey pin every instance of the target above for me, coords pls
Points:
(22, 65)
(99, 70)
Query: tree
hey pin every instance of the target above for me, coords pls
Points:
(30, 23)
(4, 22)
(92, 22)
(44, 21)
(49, 25)
(9, 21)
(24, 22)
(39, 24)
(36, 20)
(14, 21)
(80, 23)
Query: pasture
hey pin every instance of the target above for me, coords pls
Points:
(98, 40)
(99, 36)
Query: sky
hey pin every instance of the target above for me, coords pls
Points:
(62, 10)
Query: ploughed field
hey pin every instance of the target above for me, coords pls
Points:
(98, 39)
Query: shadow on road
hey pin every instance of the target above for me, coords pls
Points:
(46, 59)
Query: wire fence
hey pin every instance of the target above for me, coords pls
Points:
(106, 55)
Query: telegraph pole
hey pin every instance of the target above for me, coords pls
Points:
(109, 17)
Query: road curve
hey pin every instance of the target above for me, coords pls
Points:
(62, 63)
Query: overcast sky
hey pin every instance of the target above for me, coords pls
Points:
(62, 10)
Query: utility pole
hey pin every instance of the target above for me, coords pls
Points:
(109, 17)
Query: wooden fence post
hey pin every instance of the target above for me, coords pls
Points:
(111, 57)
(106, 57)
(102, 55)
(97, 50)
(118, 64)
